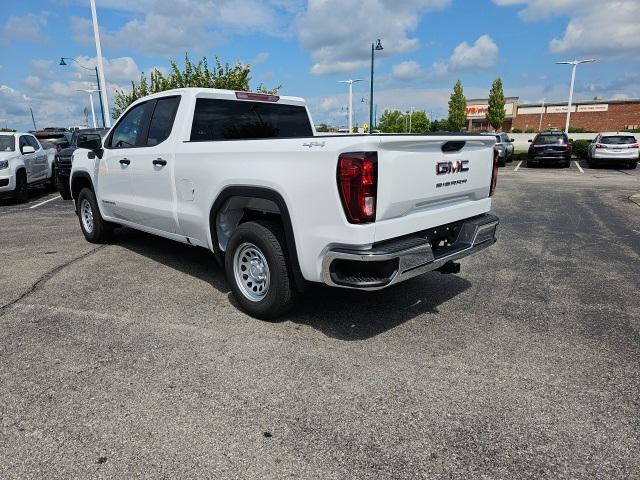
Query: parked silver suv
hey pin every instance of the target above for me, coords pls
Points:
(614, 148)
(504, 145)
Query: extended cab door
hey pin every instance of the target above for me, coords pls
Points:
(151, 169)
(40, 165)
(116, 192)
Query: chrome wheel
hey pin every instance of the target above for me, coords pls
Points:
(251, 272)
(86, 215)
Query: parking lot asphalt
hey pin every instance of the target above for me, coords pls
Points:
(131, 359)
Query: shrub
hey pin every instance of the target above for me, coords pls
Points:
(516, 130)
(530, 130)
(580, 148)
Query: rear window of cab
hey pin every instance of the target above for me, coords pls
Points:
(217, 119)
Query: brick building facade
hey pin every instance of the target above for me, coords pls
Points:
(592, 116)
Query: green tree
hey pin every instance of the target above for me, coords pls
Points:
(457, 106)
(441, 125)
(323, 127)
(198, 74)
(394, 121)
(419, 122)
(495, 113)
(391, 121)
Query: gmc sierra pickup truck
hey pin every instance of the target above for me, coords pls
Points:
(245, 176)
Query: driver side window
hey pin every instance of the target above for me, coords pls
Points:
(126, 132)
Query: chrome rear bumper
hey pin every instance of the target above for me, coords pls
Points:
(397, 260)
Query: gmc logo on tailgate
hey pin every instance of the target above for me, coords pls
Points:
(452, 167)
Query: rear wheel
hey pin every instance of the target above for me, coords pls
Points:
(257, 270)
(21, 192)
(530, 164)
(52, 183)
(567, 164)
(94, 227)
(633, 164)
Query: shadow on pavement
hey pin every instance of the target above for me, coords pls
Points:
(35, 193)
(338, 313)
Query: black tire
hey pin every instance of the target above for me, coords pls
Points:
(21, 192)
(280, 295)
(530, 164)
(502, 163)
(98, 230)
(52, 183)
(566, 164)
(63, 187)
(633, 165)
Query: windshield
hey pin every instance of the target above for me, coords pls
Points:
(550, 140)
(7, 143)
(619, 140)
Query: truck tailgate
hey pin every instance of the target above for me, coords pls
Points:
(423, 185)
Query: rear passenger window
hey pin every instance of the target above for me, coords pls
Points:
(162, 120)
(126, 132)
(216, 119)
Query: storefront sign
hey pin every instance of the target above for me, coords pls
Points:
(600, 107)
(560, 109)
(530, 110)
(480, 111)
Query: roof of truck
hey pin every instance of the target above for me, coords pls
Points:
(228, 95)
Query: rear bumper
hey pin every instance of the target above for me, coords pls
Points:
(396, 260)
(613, 157)
(550, 158)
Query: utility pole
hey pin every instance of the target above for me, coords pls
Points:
(350, 113)
(103, 84)
(574, 64)
(33, 119)
(541, 113)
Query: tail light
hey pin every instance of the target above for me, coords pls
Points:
(494, 173)
(634, 145)
(600, 145)
(358, 185)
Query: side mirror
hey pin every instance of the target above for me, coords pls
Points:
(92, 142)
(27, 149)
(571, 140)
(511, 140)
(529, 140)
(98, 152)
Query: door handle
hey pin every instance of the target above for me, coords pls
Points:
(159, 161)
(125, 161)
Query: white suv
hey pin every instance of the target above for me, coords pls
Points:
(614, 148)
(23, 162)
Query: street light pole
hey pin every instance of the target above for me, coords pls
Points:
(93, 112)
(541, 114)
(103, 92)
(350, 113)
(574, 64)
(95, 70)
(377, 46)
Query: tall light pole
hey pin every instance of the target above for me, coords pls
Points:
(103, 93)
(350, 82)
(377, 46)
(541, 114)
(95, 69)
(575, 63)
(93, 112)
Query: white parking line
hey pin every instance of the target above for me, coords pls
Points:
(517, 166)
(46, 201)
(579, 167)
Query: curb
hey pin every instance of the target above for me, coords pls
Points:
(635, 199)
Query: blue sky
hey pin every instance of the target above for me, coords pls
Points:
(308, 46)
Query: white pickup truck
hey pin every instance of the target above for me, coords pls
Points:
(245, 176)
(23, 163)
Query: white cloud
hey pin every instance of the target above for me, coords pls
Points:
(28, 27)
(32, 81)
(609, 28)
(174, 26)
(338, 33)
(482, 54)
(260, 58)
(409, 70)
